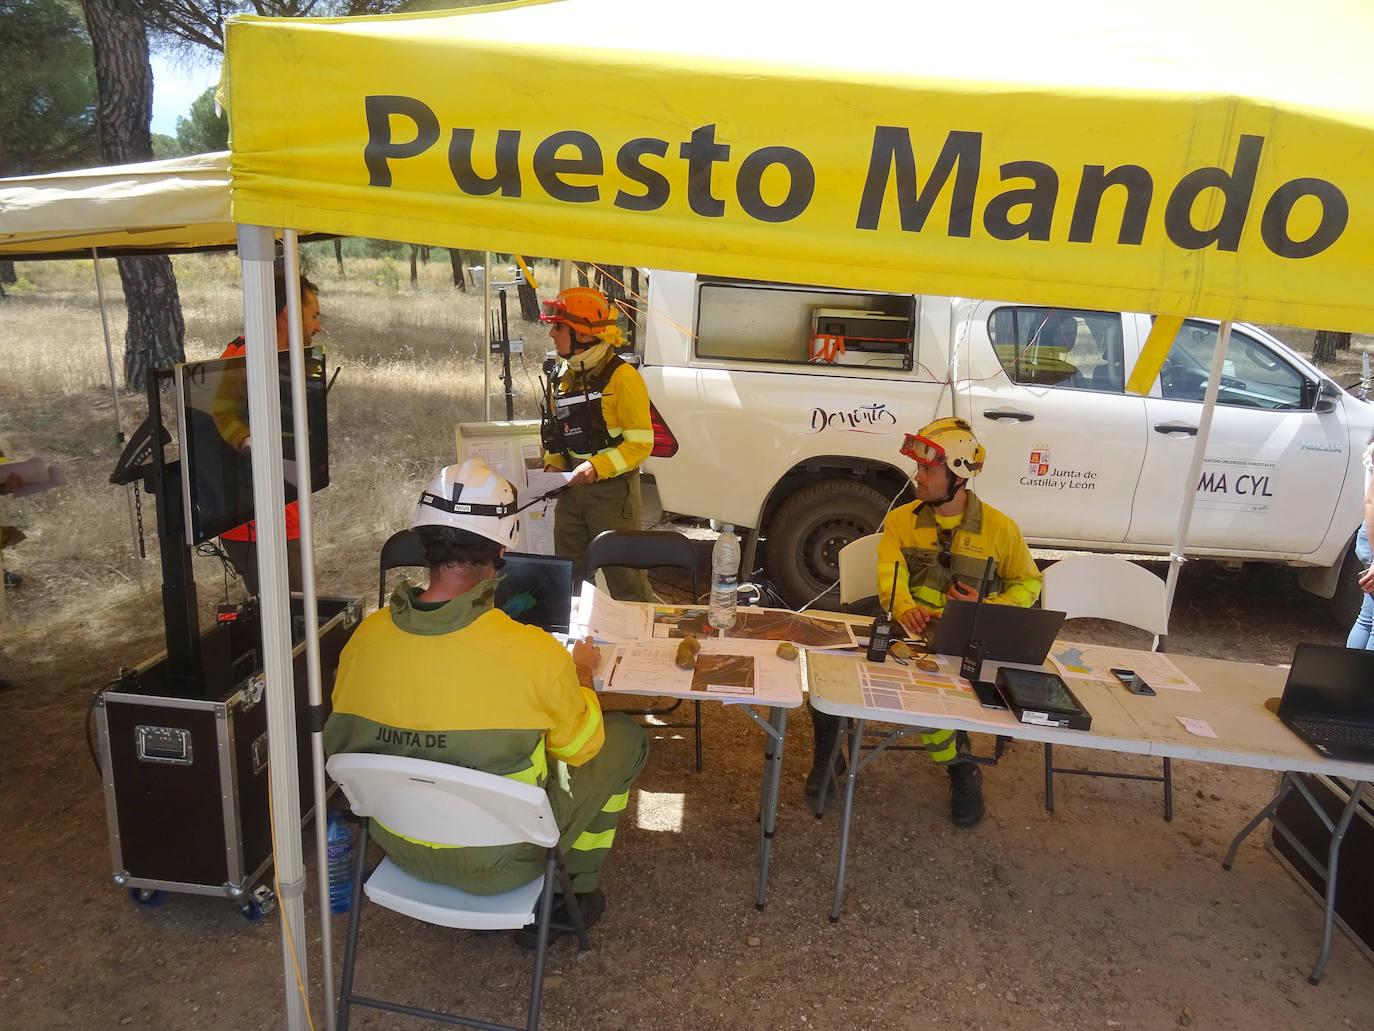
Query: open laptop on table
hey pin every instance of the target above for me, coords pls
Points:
(1009, 633)
(1328, 700)
(537, 589)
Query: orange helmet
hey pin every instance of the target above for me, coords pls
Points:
(585, 310)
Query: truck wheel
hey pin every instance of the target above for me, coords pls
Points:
(809, 530)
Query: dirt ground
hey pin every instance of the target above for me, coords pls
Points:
(1100, 916)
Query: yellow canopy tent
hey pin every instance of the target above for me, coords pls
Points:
(1179, 157)
(1173, 157)
(152, 207)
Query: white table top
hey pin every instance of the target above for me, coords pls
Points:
(1232, 701)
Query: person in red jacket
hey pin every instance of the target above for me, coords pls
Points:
(240, 543)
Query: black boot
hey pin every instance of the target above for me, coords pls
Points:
(965, 793)
(824, 729)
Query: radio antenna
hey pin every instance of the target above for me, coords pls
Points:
(972, 665)
(978, 605)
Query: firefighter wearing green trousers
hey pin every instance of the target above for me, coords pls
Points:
(596, 426)
(443, 675)
(933, 550)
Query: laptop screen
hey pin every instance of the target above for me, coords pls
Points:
(1328, 680)
(1008, 633)
(537, 589)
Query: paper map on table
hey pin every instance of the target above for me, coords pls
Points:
(730, 670)
(675, 622)
(782, 625)
(905, 689)
(1096, 662)
(756, 625)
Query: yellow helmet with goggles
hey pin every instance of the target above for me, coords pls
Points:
(949, 442)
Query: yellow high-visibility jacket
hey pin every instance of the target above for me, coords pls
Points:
(912, 550)
(625, 407)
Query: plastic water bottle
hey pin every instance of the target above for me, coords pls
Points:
(338, 842)
(724, 580)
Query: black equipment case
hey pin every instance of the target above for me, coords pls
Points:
(1354, 889)
(185, 778)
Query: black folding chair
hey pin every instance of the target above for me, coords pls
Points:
(650, 549)
(402, 548)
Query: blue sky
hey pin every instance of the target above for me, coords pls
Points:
(175, 85)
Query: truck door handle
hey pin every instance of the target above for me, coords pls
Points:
(1003, 413)
(1175, 427)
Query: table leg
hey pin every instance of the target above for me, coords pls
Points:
(1260, 817)
(775, 731)
(829, 779)
(1329, 871)
(856, 735)
(1332, 860)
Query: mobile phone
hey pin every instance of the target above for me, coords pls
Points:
(988, 694)
(1133, 682)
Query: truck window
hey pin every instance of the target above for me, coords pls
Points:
(1059, 347)
(1253, 375)
(765, 322)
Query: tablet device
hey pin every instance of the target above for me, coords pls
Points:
(1042, 698)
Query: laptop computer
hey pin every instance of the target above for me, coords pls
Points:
(537, 589)
(1009, 633)
(1328, 700)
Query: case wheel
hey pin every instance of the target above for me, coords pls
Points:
(147, 898)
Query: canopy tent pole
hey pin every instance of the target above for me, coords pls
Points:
(314, 687)
(486, 330)
(264, 415)
(114, 390)
(1204, 427)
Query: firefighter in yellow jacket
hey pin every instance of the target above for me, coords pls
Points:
(443, 675)
(596, 426)
(935, 549)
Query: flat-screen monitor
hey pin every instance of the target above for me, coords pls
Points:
(216, 465)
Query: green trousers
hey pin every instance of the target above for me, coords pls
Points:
(587, 801)
(587, 510)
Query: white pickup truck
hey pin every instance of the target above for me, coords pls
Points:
(780, 409)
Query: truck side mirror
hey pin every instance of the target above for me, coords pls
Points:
(1328, 397)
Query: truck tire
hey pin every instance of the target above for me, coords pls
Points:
(808, 531)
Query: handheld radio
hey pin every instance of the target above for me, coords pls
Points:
(971, 666)
(880, 633)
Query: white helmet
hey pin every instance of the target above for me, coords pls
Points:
(470, 497)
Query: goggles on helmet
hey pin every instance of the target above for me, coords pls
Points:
(923, 450)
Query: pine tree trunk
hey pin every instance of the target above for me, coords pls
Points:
(150, 291)
(414, 273)
(1327, 343)
(155, 335)
(7, 273)
(455, 260)
(529, 302)
(338, 255)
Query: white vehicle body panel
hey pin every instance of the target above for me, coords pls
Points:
(1084, 467)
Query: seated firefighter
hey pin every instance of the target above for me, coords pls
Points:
(441, 674)
(933, 550)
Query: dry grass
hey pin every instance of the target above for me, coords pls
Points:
(410, 361)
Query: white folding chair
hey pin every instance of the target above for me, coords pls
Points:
(1101, 587)
(859, 570)
(455, 806)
